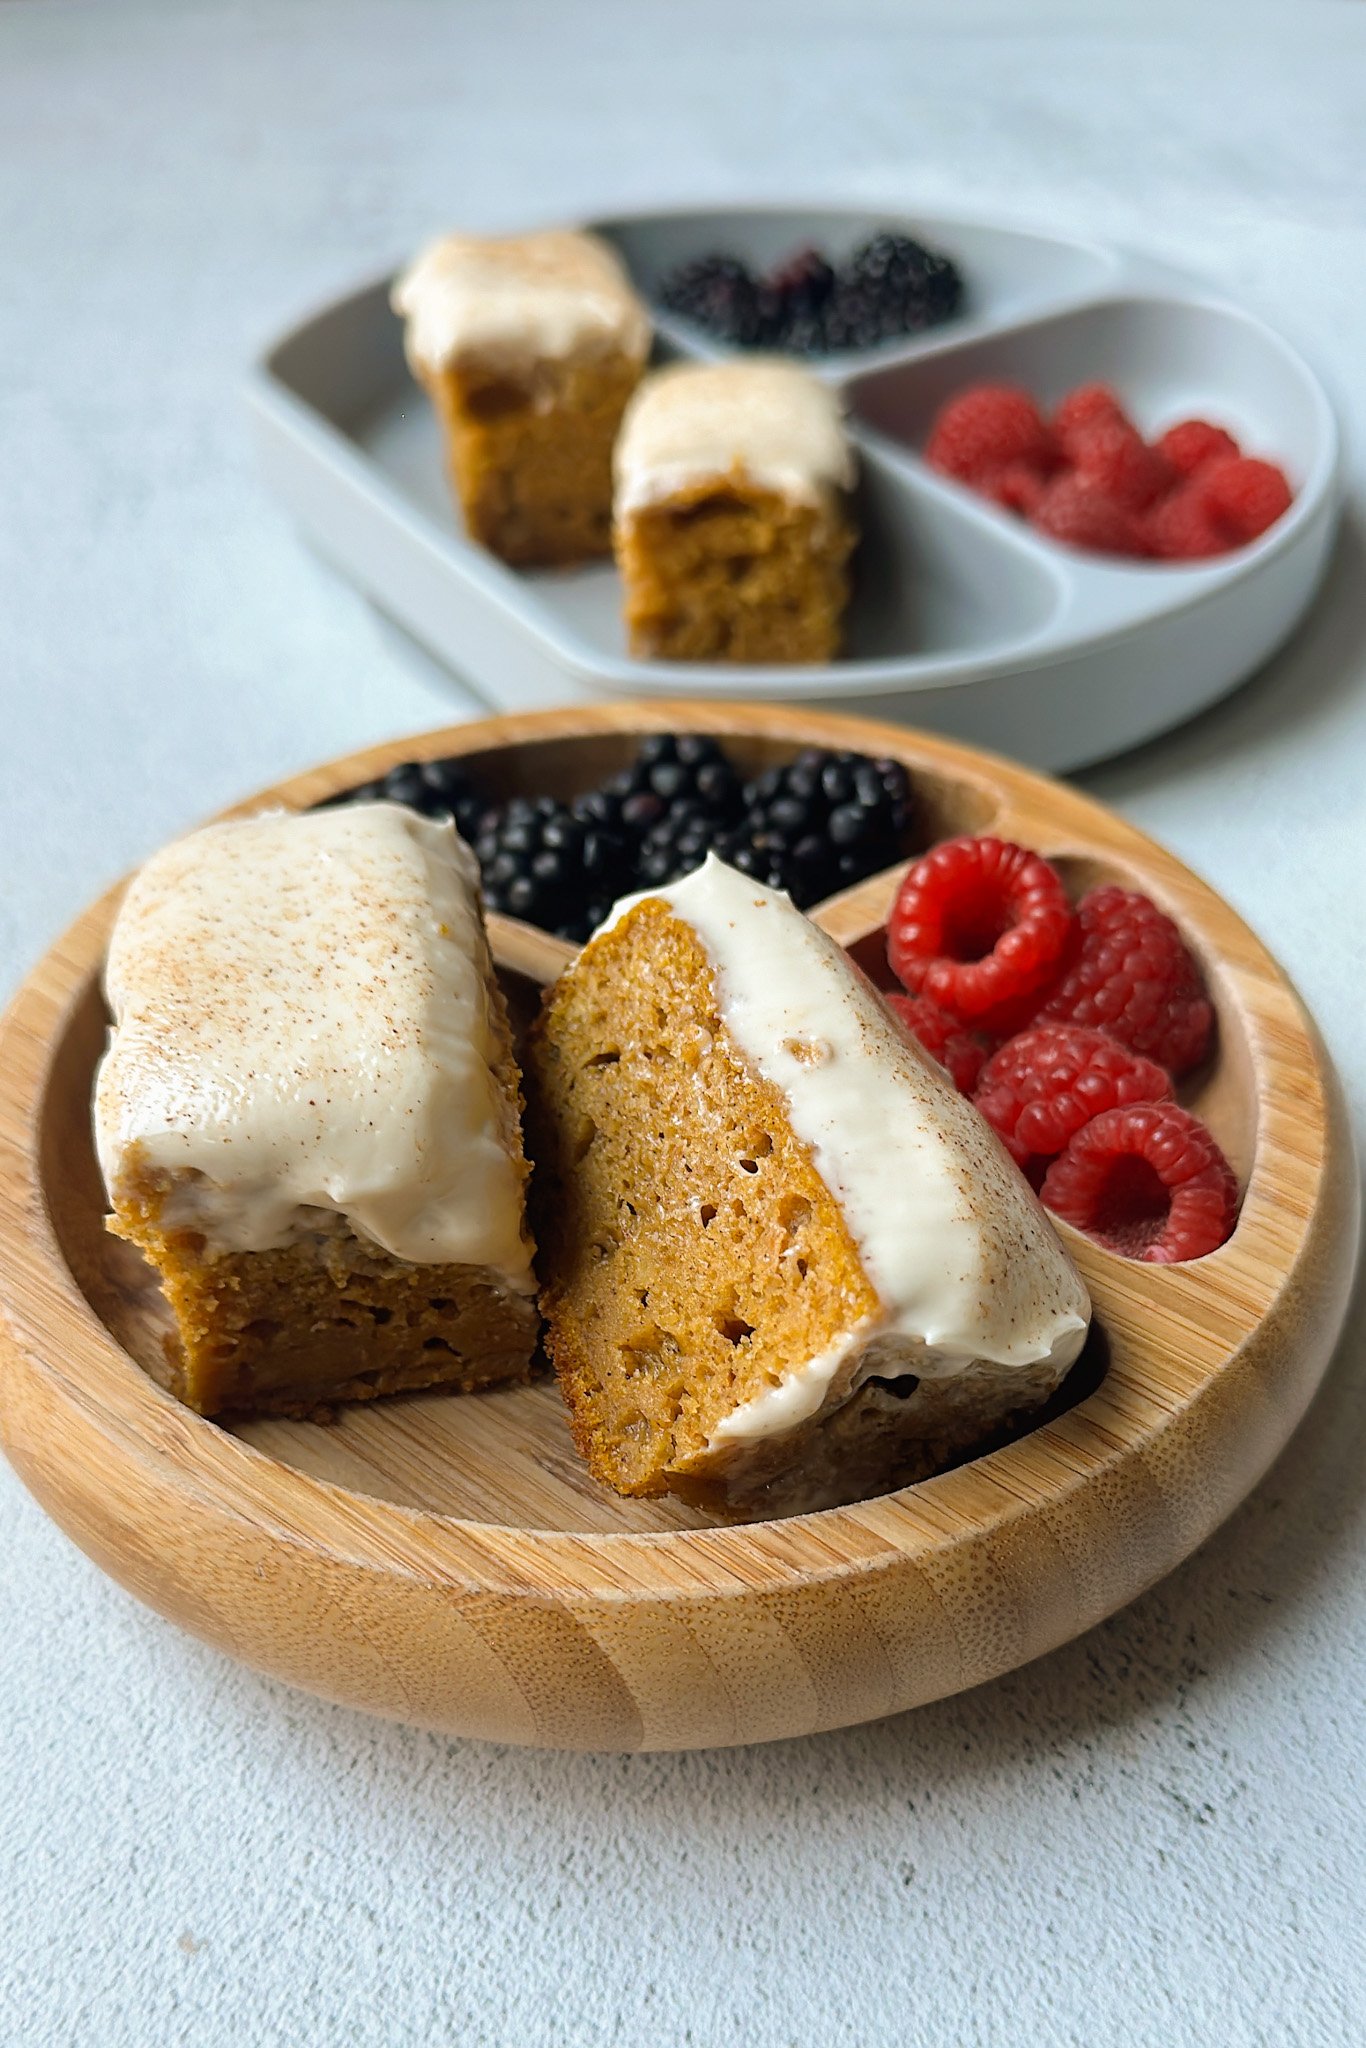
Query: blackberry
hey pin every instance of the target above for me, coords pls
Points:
(854, 318)
(803, 282)
(721, 294)
(438, 789)
(673, 775)
(800, 291)
(808, 335)
(820, 823)
(676, 799)
(675, 846)
(892, 285)
(811, 827)
(542, 863)
(907, 286)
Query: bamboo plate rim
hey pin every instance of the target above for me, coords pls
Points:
(1301, 1234)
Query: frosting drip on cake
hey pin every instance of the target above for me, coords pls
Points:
(512, 302)
(964, 1261)
(767, 423)
(303, 1030)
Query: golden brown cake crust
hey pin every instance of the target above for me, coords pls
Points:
(531, 461)
(688, 1247)
(723, 571)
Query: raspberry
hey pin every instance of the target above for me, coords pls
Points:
(1180, 528)
(1131, 974)
(1041, 1086)
(1244, 495)
(1147, 1181)
(1190, 444)
(942, 1036)
(1074, 511)
(980, 926)
(986, 427)
(1090, 405)
(1017, 487)
(1115, 459)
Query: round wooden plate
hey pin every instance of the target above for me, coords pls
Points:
(446, 1560)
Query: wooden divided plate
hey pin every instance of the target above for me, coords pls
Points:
(446, 1559)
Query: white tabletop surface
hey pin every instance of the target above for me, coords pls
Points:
(1155, 1835)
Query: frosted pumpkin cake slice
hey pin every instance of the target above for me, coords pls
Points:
(784, 1262)
(308, 1114)
(529, 347)
(732, 517)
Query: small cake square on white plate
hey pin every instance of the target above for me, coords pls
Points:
(733, 528)
(529, 347)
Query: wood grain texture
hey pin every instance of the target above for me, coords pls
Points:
(447, 1560)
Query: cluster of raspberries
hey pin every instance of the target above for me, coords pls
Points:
(1067, 1027)
(1087, 477)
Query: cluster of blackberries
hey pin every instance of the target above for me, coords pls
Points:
(810, 826)
(820, 823)
(675, 800)
(439, 789)
(552, 864)
(891, 286)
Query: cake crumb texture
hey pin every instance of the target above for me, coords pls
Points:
(689, 1248)
(325, 1319)
(725, 571)
(529, 347)
(733, 531)
(530, 454)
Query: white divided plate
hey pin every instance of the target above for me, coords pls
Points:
(964, 620)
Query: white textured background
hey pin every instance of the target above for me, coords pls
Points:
(1154, 1836)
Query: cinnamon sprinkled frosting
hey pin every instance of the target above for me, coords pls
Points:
(303, 1030)
(513, 301)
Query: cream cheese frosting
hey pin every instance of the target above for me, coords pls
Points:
(769, 422)
(513, 301)
(304, 1030)
(965, 1263)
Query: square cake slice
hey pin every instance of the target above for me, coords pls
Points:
(732, 524)
(529, 347)
(785, 1263)
(308, 1116)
